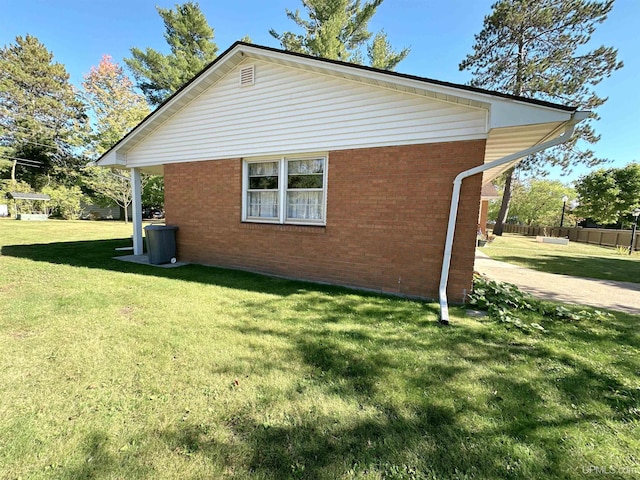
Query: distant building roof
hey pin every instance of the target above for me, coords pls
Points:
(29, 196)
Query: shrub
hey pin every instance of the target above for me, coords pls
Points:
(66, 201)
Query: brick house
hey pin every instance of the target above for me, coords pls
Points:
(290, 165)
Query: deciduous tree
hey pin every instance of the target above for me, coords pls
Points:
(66, 202)
(608, 196)
(115, 106)
(538, 49)
(116, 109)
(338, 30)
(539, 202)
(112, 185)
(190, 39)
(153, 192)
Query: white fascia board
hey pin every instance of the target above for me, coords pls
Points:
(113, 159)
(511, 113)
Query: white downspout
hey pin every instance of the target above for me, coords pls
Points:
(457, 185)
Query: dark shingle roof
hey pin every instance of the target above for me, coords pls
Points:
(29, 196)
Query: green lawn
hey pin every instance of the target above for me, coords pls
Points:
(114, 370)
(577, 259)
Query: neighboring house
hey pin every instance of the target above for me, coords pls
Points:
(95, 212)
(290, 165)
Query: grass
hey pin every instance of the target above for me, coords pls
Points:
(577, 259)
(117, 370)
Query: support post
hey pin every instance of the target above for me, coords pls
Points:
(136, 211)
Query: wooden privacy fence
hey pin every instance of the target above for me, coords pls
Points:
(596, 236)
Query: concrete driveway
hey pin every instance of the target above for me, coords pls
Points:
(620, 296)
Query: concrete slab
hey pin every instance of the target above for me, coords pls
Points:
(144, 260)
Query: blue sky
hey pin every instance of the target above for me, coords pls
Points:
(440, 34)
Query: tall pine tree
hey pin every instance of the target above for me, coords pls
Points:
(537, 49)
(41, 115)
(381, 55)
(338, 30)
(190, 39)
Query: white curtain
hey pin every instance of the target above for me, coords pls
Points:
(304, 205)
(263, 204)
(306, 167)
(265, 169)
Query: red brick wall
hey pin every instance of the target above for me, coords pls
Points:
(387, 211)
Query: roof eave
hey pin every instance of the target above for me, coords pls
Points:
(240, 48)
(508, 140)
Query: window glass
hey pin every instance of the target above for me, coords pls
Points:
(306, 167)
(305, 173)
(263, 183)
(262, 195)
(302, 191)
(305, 205)
(263, 169)
(263, 176)
(262, 204)
(305, 181)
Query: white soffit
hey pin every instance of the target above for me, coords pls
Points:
(509, 140)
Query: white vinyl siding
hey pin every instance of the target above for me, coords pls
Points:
(295, 110)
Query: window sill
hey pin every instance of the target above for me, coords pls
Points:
(286, 227)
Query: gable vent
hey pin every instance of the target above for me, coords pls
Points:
(247, 76)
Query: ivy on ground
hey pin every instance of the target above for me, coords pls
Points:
(506, 303)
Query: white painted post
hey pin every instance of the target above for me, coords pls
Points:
(136, 211)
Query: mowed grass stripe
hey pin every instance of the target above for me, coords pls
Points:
(576, 259)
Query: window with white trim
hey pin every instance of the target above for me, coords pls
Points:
(285, 190)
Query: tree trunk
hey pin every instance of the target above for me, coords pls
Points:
(13, 171)
(508, 176)
(123, 214)
(504, 206)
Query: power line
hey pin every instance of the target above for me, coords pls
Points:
(37, 143)
(29, 129)
(12, 133)
(28, 165)
(18, 159)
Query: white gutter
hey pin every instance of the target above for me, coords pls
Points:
(457, 185)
